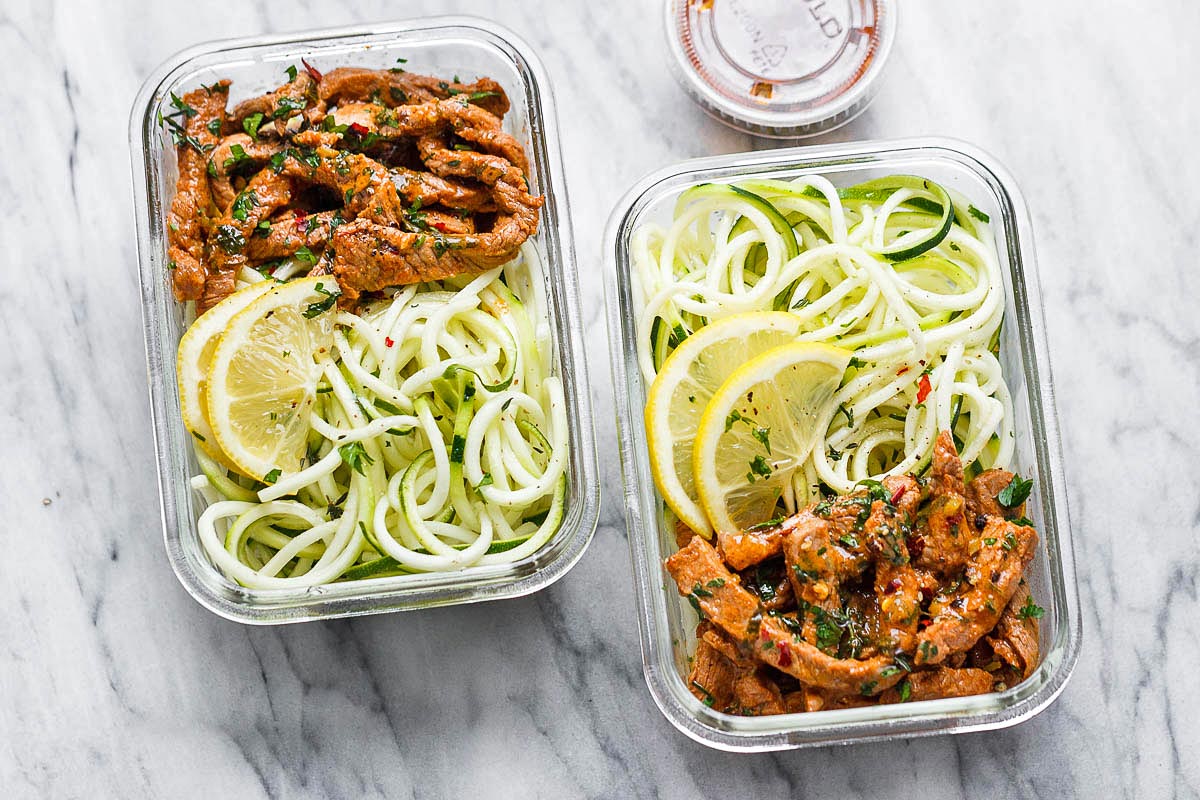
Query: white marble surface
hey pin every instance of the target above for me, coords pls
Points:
(114, 683)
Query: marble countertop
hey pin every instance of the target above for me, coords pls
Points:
(115, 683)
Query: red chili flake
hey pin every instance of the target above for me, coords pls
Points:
(925, 623)
(893, 586)
(313, 71)
(915, 545)
(388, 341)
(441, 226)
(785, 654)
(923, 389)
(902, 370)
(899, 494)
(359, 128)
(301, 219)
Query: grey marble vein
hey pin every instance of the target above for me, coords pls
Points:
(114, 683)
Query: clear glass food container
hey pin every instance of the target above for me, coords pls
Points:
(440, 46)
(667, 621)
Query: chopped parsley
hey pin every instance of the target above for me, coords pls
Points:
(355, 455)
(306, 256)
(1016, 493)
(237, 155)
(759, 468)
(321, 306)
(230, 239)
(252, 123)
(1030, 610)
(242, 205)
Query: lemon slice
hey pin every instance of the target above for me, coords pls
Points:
(262, 381)
(759, 427)
(682, 389)
(195, 353)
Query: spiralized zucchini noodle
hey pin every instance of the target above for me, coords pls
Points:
(899, 270)
(438, 442)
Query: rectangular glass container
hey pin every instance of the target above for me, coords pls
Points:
(440, 46)
(667, 621)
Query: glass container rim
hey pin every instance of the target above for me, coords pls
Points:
(953, 715)
(383, 594)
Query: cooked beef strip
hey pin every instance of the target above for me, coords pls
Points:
(769, 582)
(364, 185)
(982, 499)
(897, 587)
(1014, 640)
(818, 564)
(265, 194)
(712, 676)
(357, 84)
(191, 207)
(835, 542)
(742, 549)
(378, 193)
(701, 574)
(944, 532)
(289, 232)
(451, 117)
(683, 534)
(754, 693)
(371, 257)
(991, 579)
(813, 699)
(440, 159)
(941, 682)
(721, 596)
(222, 164)
(362, 114)
(295, 100)
(435, 190)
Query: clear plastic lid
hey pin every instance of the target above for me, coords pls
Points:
(784, 68)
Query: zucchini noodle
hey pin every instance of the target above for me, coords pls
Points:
(438, 442)
(898, 270)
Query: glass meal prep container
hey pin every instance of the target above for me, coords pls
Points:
(438, 46)
(667, 622)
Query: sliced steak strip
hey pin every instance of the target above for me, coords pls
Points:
(701, 574)
(942, 682)
(982, 497)
(223, 164)
(1014, 640)
(266, 194)
(356, 84)
(991, 579)
(191, 208)
(945, 534)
